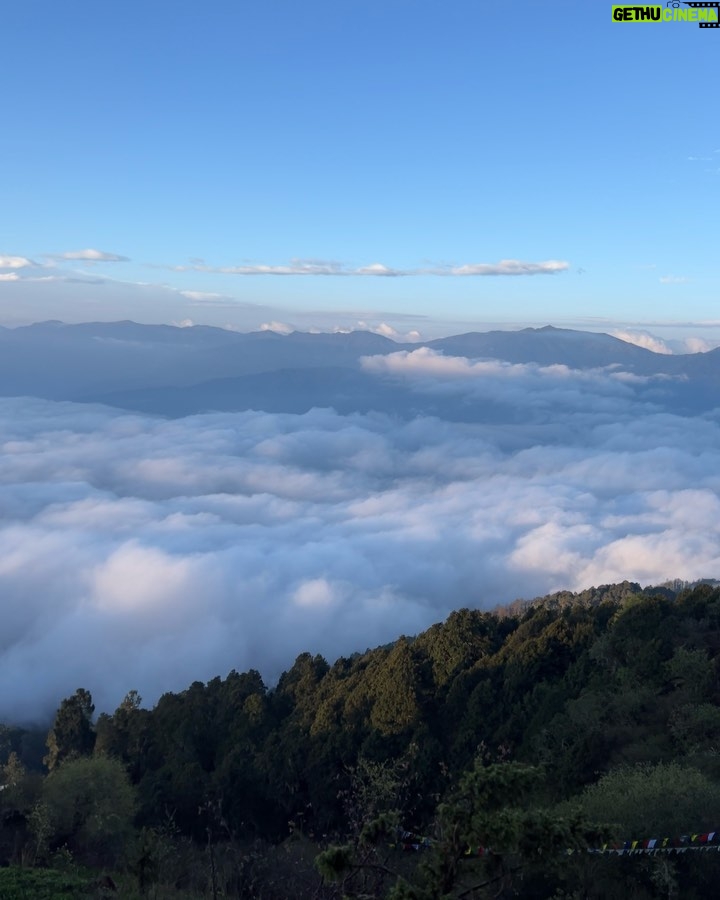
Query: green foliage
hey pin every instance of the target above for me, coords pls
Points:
(402, 890)
(335, 862)
(27, 745)
(20, 788)
(72, 733)
(484, 810)
(42, 884)
(397, 691)
(695, 728)
(492, 827)
(498, 806)
(691, 671)
(89, 804)
(654, 801)
(375, 790)
(453, 646)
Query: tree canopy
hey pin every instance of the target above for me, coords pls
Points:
(526, 730)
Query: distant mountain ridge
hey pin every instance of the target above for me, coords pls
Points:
(549, 346)
(176, 371)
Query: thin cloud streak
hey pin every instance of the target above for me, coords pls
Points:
(512, 267)
(91, 255)
(505, 267)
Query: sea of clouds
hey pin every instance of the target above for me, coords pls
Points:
(141, 552)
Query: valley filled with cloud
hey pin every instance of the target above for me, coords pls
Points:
(144, 551)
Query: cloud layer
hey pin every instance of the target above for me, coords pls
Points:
(145, 553)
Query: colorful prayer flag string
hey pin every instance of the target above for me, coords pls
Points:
(707, 841)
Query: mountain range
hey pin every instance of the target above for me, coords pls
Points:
(172, 371)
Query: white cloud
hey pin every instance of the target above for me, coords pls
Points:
(139, 580)
(385, 330)
(699, 345)
(388, 331)
(279, 327)
(202, 295)
(506, 267)
(91, 255)
(15, 262)
(295, 267)
(9, 276)
(642, 339)
(673, 279)
(378, 269)
(431, 364)
(315, 593)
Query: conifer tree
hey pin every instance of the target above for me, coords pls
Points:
(72, 733)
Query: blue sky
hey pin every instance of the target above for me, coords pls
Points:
(392, 156)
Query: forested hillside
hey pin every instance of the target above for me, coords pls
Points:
(493, 743)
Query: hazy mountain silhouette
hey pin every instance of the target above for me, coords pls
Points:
(550, 346)
(345, 390)
(177, 371)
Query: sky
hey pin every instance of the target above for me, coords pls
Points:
(405, 164)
